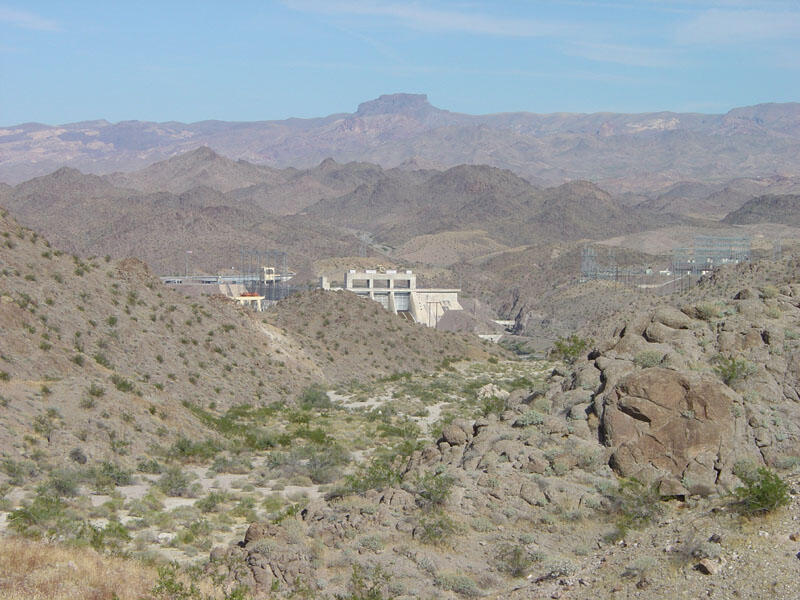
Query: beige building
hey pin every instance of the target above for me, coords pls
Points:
(397, 291)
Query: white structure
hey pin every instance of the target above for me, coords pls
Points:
(398, 292)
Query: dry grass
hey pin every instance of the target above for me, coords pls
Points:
(40, 571)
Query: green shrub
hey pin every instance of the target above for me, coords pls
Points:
(102, 359)
(108, 474)
(324, 464)
(379, 473)
(648, 358)
(531, 417)
(732, 369)
(492, 406)
(569, 349)
(17, 471)
(61, 483)
(514, 559)
(435, 528)
(708, 311)
(176, 482)
(761, 493)
(211, 502)
(634, 504)
(314, 397)
(44, 516)
(367, 584)
(460, 584)
(433, 488)
(186, 450)
(122, 384)
(149, 465)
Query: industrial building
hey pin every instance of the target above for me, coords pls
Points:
(397, 292)
(260, 280)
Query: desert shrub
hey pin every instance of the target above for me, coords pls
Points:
(109, 475)
(708, 311)
(314, 397)
(569, 349)
(176, 482)
(41, 517)
(530, 417)
(122, 384)
(77, 455)
(171, 585)
(186, 450)
(434, 487)
(648, 358)
(324, 464)
(211, 502)
(367, 584)
(732, 369)
(634, 504)
(769, 291)
(234, 464)
(18, 471)
(102, 359)
(761, 493)
(95, 391)
(514, 559)
(460, 584)
(492, 406)
(435, 528)
(149, 465)
(384, 470)
(61, 483)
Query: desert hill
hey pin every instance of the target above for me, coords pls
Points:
(83, 337)
(508, 243)
(201, 167)
(714, 201)
(630, 151)
(784, 209)
(444, 477)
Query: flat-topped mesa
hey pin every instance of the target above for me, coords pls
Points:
(388, 104)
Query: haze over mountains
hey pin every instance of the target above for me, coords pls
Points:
(505, 241)
(626, 152)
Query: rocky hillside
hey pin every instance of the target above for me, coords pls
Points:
(784, 209)
(98, 353)
(689, 399)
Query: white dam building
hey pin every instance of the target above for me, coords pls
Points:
(397, 292)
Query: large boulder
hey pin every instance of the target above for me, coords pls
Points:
(663, 424)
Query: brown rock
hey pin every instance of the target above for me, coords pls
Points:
(662, 421)
(672, 317)
(454, 435)
(255, 532)
(706, 567)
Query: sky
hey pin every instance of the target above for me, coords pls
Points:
(245, 60)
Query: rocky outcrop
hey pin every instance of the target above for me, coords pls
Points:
(666, 405)
(663, 424)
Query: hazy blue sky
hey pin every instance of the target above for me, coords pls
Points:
(248, 60)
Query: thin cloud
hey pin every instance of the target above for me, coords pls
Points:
(632, 56)
(420, 17)
(740, 26)
(26, 20)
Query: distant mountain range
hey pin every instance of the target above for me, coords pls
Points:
(212, 205)
(623, 152)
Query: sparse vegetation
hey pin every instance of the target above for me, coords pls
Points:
(569, 349)
(732, 369)
(761, 493)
